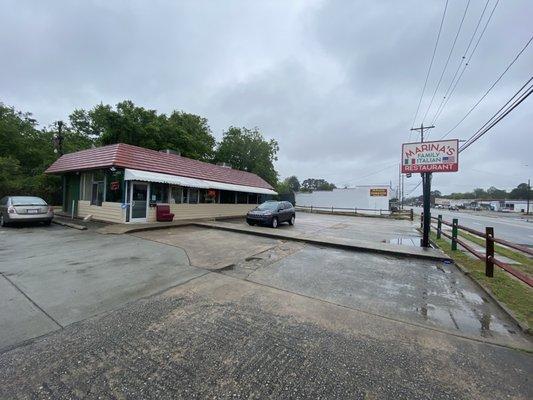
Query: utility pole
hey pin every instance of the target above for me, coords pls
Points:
(426, 189)
(528, 195)
(403, 188)
(57, 139)
(399, 185)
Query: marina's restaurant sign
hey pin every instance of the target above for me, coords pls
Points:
(439, 156)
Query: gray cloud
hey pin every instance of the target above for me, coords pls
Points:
(335, 82)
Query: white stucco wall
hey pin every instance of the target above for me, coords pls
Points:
(358, 197)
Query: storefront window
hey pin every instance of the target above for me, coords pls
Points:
(86, 183)
(193, 195)
(252, 198)
(159, 192)
(114, 186)
(176, 193)
(227, 197)
(242, 198)
(208, 196)
(98, 188)
(97, 196)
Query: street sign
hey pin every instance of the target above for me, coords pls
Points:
(438, 156)
(378, 192)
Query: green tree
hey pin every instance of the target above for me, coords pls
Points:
(521, 192)
(186, 133)
(25, 153)
(311, 184)
(293, 183)
(496, 194)
(247, 149)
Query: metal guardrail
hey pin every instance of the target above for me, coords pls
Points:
(488, 257)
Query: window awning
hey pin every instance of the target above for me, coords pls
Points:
(146, 176)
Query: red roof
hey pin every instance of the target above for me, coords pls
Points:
(128, 156)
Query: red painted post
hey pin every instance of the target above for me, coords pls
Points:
(489, 251)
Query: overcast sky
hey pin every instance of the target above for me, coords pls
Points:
(336, 83)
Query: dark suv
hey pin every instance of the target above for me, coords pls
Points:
(272, 213)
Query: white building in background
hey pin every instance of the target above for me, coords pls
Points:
(361, 197)
(517, 205)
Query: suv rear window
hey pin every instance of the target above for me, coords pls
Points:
(27, 201)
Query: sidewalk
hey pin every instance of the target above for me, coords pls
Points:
(347, 244)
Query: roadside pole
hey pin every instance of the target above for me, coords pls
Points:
(528, 195)
(426, 189)
(403, 189)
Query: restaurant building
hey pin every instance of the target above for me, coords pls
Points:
(124, 183)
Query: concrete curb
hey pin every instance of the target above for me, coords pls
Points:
(380, 248)
(69, 224)
(524, 327)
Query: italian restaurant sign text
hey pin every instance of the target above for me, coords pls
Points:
(438, 156)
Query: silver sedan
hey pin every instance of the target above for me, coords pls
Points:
(24, 209)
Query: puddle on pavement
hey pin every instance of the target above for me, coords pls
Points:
(472, 319)
(404, 241)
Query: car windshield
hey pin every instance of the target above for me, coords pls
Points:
(269, 205)
(27, 201)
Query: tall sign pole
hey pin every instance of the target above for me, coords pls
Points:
(426, 189)
(528, 195)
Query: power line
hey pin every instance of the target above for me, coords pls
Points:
(495, 119)
(447, 61)
(372, 173)
(470, 57)
(501, 108)
(413, 189)
(430, 65)
(463, 58)
(489, 89)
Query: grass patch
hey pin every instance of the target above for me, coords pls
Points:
(526, 263)
(514, 294)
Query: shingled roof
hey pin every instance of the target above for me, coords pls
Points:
(127, 156)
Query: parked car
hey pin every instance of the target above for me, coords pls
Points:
(453, 208)
(24, 209)
(272, 213)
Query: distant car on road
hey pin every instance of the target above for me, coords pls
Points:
(24, 209)
(453, 208)
(272, 213)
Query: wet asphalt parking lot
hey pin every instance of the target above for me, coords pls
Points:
(275, 319)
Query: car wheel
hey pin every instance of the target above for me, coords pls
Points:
(275, 222)
(48, 222)
(250, 223)
(291, 221)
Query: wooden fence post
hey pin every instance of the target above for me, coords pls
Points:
(455, 222)
(412, 215)
(439, 226)
(489, 251)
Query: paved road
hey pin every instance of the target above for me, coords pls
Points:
(291, 322)
(51, 277)
(506, 227)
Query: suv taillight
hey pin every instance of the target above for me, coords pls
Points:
(11, 210)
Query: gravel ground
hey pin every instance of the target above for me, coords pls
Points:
(220, 337)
